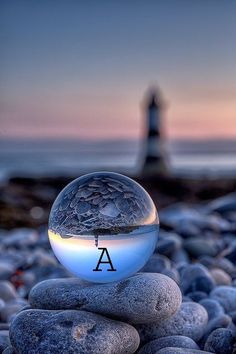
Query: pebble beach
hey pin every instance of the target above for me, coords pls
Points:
(182, 301)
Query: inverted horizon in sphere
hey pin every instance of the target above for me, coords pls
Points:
(103, 215)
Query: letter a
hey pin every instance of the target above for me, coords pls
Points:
(112, 269)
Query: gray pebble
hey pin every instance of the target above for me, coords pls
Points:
(4, 340)
(10, 310)
(143, 298)
(220, 341)
(7, 291)
(71, 332)
(9, 350)
(169, 341)
(190, 321)
(157, 264)
(214, 309)
(170, 350)
(168, 244)
(220, 277)
(223, 204)
(196, 277)
(2, 304)
(197, 296)
(226, 296)
(172, 273)
(180, 256)
(221, 321)
(21, 237)
(197, 247)
(6, 270)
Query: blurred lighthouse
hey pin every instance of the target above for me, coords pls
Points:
(155, 159)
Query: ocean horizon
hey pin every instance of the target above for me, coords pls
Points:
(71, 157)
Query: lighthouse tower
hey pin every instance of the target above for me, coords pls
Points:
(155, 160)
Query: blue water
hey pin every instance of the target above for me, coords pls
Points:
(64, 157)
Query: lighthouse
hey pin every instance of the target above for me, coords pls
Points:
(155, 159)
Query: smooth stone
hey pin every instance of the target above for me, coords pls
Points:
(188, 229)
(7, 291)
(172, 273)
(196, 277)
(4, 340)
(197, 247)
(224, 264)
(226, 296)
(6, 270)
(168, 244)
(170, 341)
(4, 326)
(9, 350)
(157, 264)
(197, 296)
(170, 350)
(231, 253)
(10, 310)
(214, 309)
(143, 298)
(223, 204)
(2, 304)
(179, 214)
(220, 277)
(71, 331)
(21, 237)
(222, 321)
(180, 256)
(221, 341)
(190, 321)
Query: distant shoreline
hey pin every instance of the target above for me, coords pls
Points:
(52, 158)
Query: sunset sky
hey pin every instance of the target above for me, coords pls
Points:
(81, 68)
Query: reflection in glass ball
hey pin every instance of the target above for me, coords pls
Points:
(103, 227)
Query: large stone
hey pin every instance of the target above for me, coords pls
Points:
(71, 332)
(143, 298)
(190, 321)
(169, 341)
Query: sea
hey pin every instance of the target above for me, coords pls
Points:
(44, 157)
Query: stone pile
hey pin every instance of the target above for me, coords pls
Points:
(182, 301)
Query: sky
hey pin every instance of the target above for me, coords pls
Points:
(80, 69)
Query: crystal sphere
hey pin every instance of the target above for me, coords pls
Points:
(103, 227)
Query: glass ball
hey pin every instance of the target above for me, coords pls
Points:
(103, 227)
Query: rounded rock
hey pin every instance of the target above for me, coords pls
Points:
(197, 247)
(214, 309)
(220, 277)
(4, 340)
(221, 321)
(157, 263)
(143, 298)
(170, 350)
(190, 321)
(196, 277)
(71, 332)
(220, 341)
(169, 341)
(7, 291)
(226, 296)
